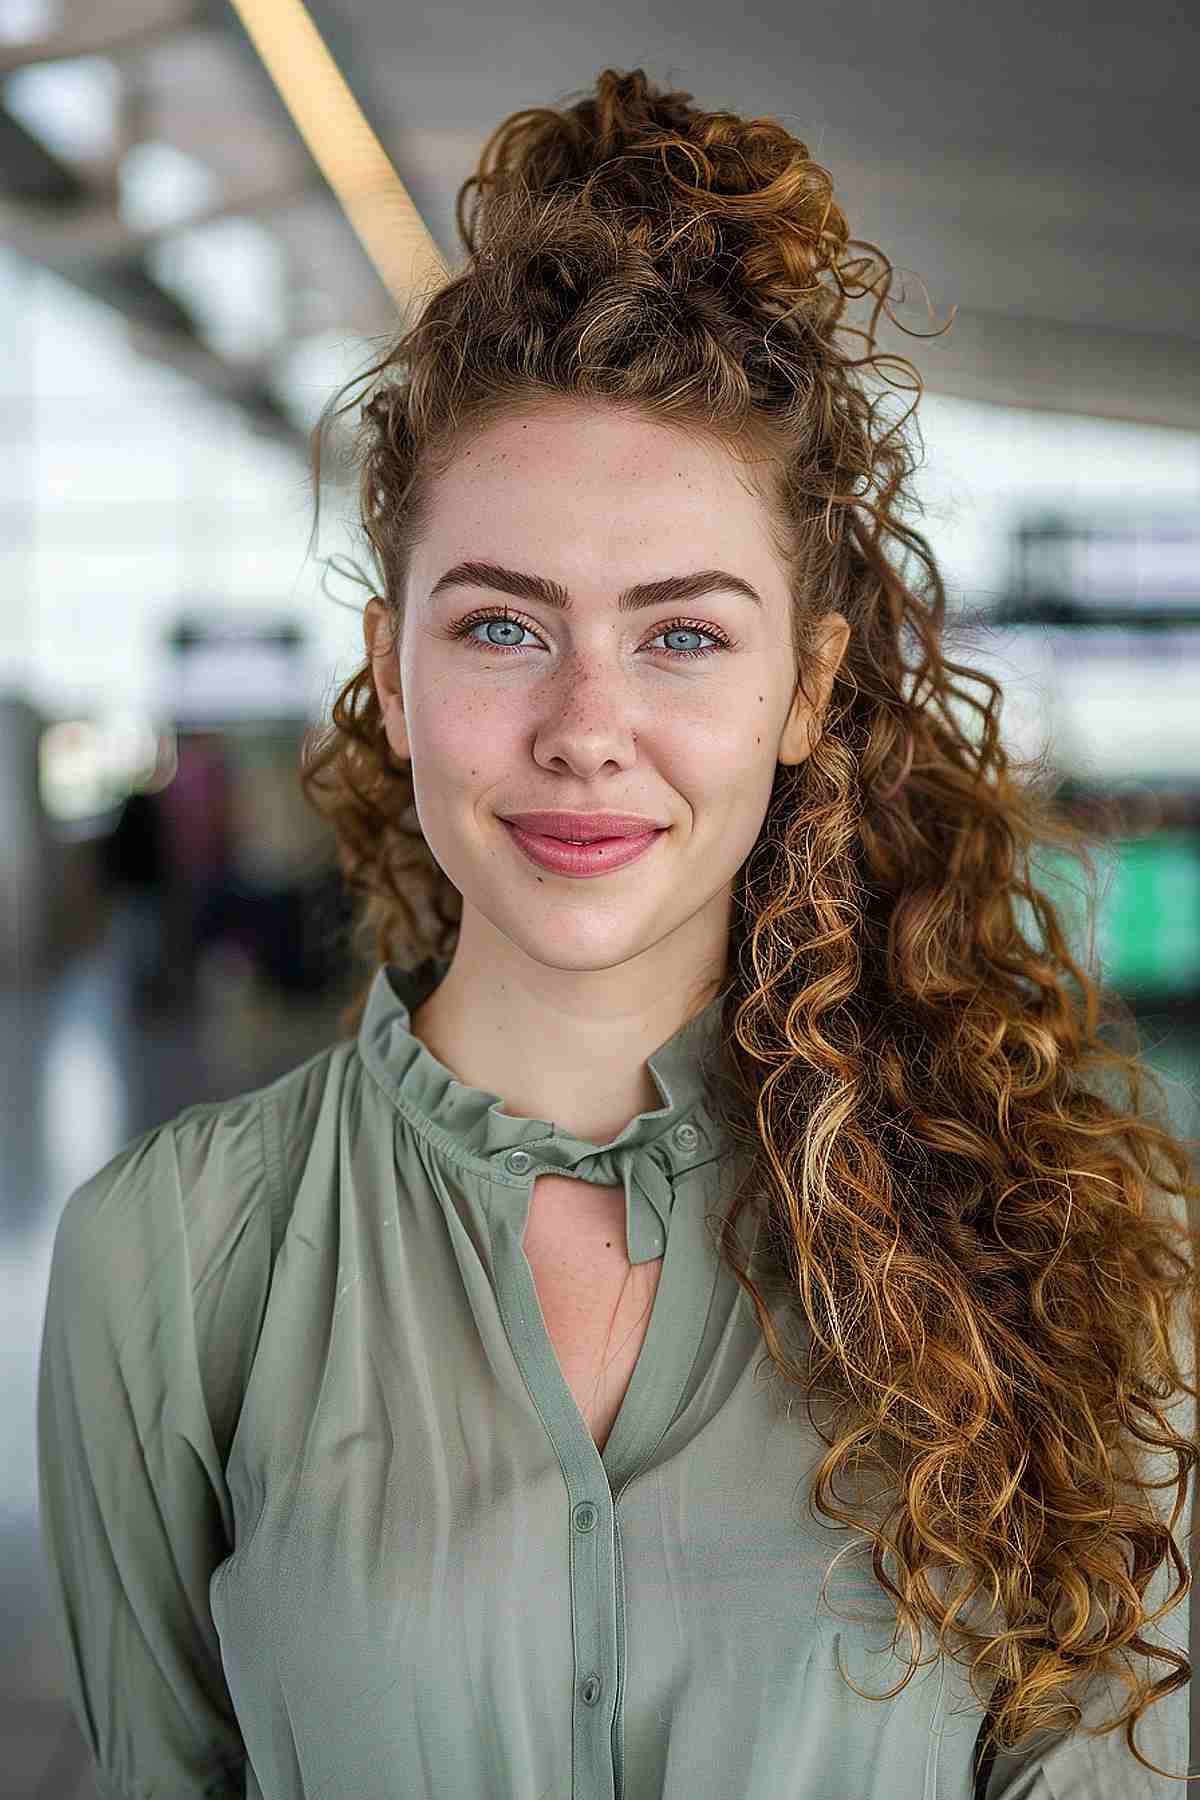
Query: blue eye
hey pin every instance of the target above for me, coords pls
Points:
(466, 626)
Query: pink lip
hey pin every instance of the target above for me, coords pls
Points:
(581, 859)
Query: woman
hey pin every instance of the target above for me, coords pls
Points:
(402, 1427)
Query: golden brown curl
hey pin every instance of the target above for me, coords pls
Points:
(962, 1228)
(743, 195)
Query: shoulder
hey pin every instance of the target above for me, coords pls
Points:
(199, 1193)
(163, 1259)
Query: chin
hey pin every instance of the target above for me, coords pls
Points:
(577, 945)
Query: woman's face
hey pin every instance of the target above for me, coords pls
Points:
(596, 707)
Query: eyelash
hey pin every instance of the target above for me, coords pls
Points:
(486, 616)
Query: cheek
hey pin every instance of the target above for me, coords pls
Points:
(723, 750)
(726, 773)
(459, 741)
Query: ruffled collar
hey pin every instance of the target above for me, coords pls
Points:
(644, 1158)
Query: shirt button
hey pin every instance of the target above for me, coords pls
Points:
(585, 1516)
(518, 1161)
(589, 1690)
(686, 1136)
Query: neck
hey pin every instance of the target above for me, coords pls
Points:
(569, 1047)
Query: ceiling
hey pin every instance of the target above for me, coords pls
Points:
(1038, 173)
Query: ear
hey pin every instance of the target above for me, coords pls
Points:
(384, 660)
(803, 723)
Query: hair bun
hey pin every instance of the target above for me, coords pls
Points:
(741, 198)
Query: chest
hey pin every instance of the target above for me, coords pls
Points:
(596, 1304)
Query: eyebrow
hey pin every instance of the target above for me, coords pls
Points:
(668, 588)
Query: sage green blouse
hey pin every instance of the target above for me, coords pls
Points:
(324, 1522)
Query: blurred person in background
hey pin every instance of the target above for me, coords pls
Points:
(197, 821)
(400, 1423)
(133, 859)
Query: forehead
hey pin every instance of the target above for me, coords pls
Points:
(602, 472)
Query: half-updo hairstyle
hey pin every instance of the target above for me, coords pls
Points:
(993, 1298)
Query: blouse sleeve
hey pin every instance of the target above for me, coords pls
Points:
(1104, 1768)
(144, 1289)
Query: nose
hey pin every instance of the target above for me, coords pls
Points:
(588, 717)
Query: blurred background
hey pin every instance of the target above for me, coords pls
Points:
(180, 293)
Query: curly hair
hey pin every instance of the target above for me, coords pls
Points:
(966, 1225)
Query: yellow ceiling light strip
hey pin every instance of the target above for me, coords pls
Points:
(345, 149)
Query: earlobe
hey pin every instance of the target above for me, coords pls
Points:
(800, 733)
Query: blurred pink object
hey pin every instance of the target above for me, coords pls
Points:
(197, 811)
